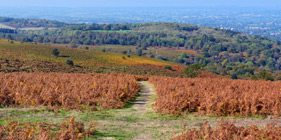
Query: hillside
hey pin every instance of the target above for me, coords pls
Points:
(26, 57)
(222, 52)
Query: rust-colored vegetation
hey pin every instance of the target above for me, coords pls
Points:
(68, 91)
(69, 129)
(216, 96)
(228, 131)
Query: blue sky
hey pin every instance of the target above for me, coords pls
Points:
(143, 3)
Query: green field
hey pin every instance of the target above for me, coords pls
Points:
(5, 26)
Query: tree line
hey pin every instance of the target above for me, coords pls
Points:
(216, 47)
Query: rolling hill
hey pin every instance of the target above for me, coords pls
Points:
(26, 57)
(222, 52)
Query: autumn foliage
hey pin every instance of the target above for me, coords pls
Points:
(228, 131)
(217, 96)
(68, 91)
(69, 129)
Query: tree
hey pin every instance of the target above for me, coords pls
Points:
(160, 57)
(183, 55)
(107, 27)
(193, 70)
(55, 52)
(265, 75)
(139, 52)
(234, 76)
(206, 54)
(69, 62)
(124, 52)
(250, 63)
(278, 42)
(9, 37)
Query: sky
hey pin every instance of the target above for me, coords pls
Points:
(140, 3)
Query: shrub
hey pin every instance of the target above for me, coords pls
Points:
(234, 76)
(243, 71)
(167, 67)
(69, 62)
(55, 52)
(193, 70)
(160, 57)
(124, 52)
(103, 50)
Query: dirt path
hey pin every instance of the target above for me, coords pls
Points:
(141, 106)
(141, 103)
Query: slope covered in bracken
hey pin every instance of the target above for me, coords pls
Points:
(68, 91)
(216, 96)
